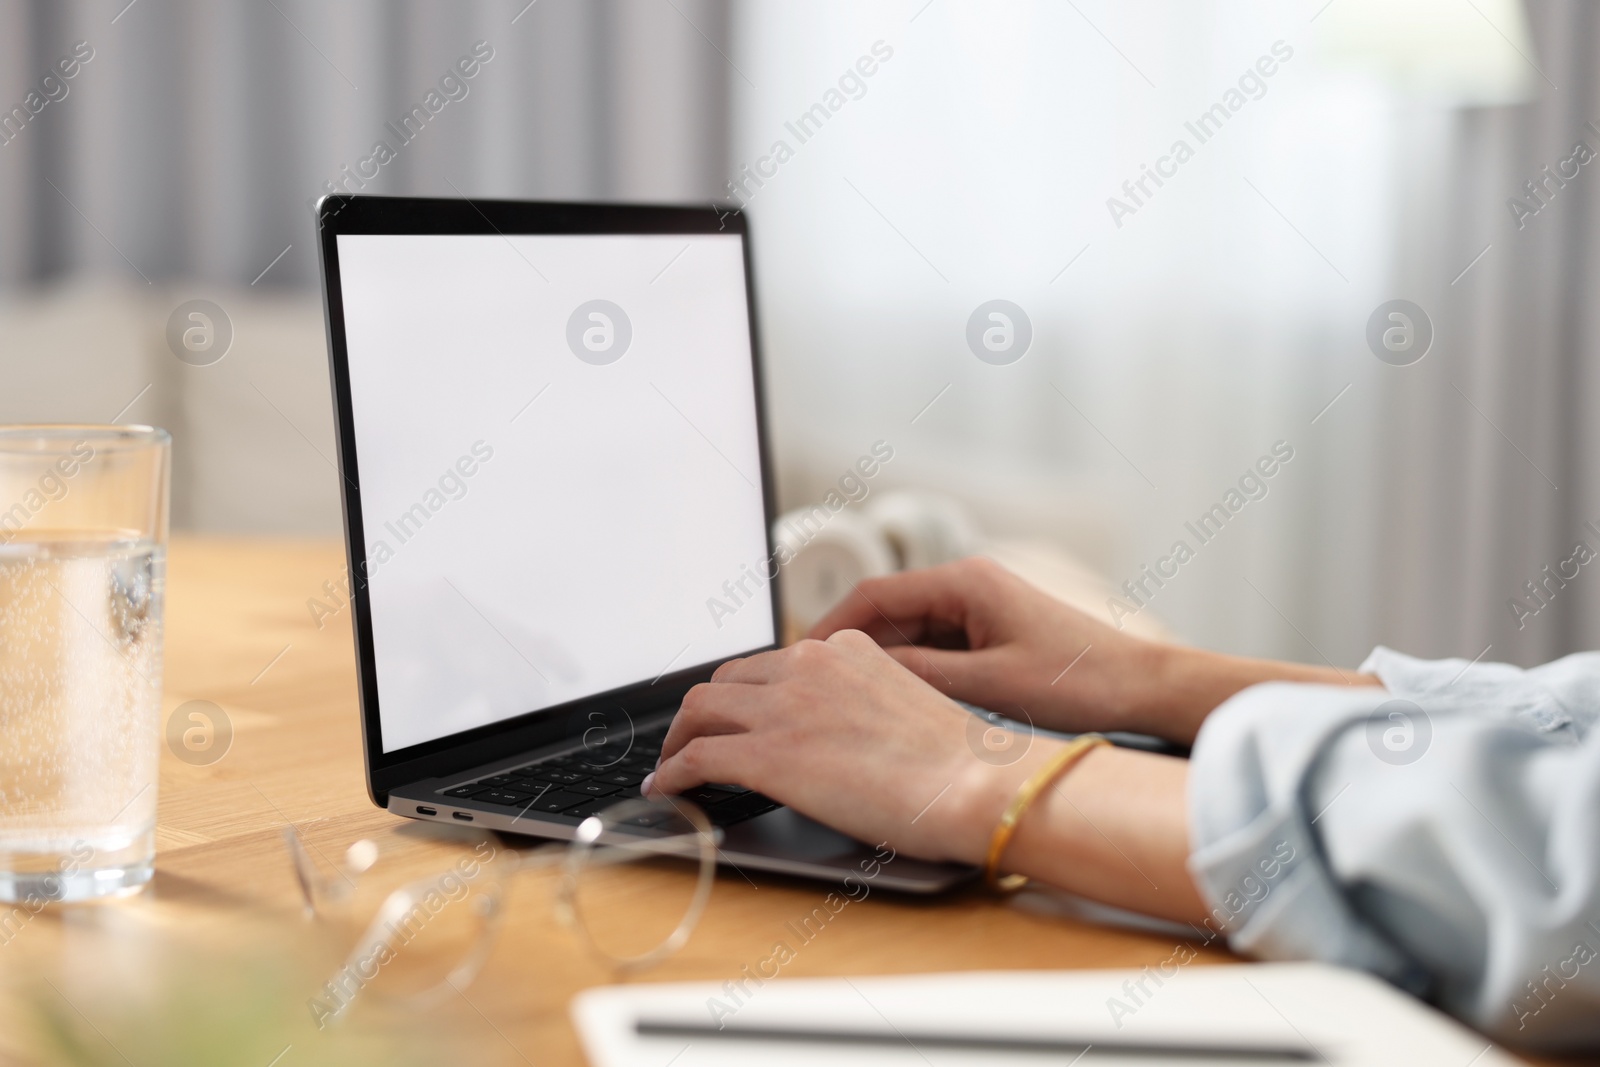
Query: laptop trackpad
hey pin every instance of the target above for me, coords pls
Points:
(787, 834)
(786, 841)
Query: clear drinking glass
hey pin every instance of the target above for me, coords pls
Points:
(83, 534)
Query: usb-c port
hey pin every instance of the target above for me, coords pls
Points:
(463, 816)
(426, 811)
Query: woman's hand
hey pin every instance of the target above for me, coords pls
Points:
(841, 732)
(977, 632)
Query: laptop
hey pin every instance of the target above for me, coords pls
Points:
(558, 507)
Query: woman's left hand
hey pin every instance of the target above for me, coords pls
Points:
(841, 732)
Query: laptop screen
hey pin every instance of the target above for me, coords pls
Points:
(560, 471)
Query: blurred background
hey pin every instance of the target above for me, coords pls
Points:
(1183, 325)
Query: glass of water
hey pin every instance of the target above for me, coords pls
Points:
(83, 534)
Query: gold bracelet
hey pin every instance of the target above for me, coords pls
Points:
(1029, 791)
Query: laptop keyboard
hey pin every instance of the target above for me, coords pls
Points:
(580, 784)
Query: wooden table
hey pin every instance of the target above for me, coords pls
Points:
(240, 634)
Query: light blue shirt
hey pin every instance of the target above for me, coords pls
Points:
(1444, 834)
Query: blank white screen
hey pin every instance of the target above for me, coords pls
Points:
(605, 504)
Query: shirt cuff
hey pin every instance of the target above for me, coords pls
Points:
(1254, 851)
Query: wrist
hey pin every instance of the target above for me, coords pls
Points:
(1030, 794)
(1118, 686)
(1180, 686)
(979, 795)
(1161, 680)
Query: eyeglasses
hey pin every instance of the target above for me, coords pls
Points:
(431, 937)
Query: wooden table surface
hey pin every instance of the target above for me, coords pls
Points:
(224, 903)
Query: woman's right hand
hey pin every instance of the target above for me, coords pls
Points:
(978, 633)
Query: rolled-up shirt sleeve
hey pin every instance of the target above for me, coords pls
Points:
(1442, 832)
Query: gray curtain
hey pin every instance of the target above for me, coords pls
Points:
(180, 158)
(192, 141)
(1486, 466)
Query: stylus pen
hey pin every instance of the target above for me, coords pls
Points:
(984, 1042)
